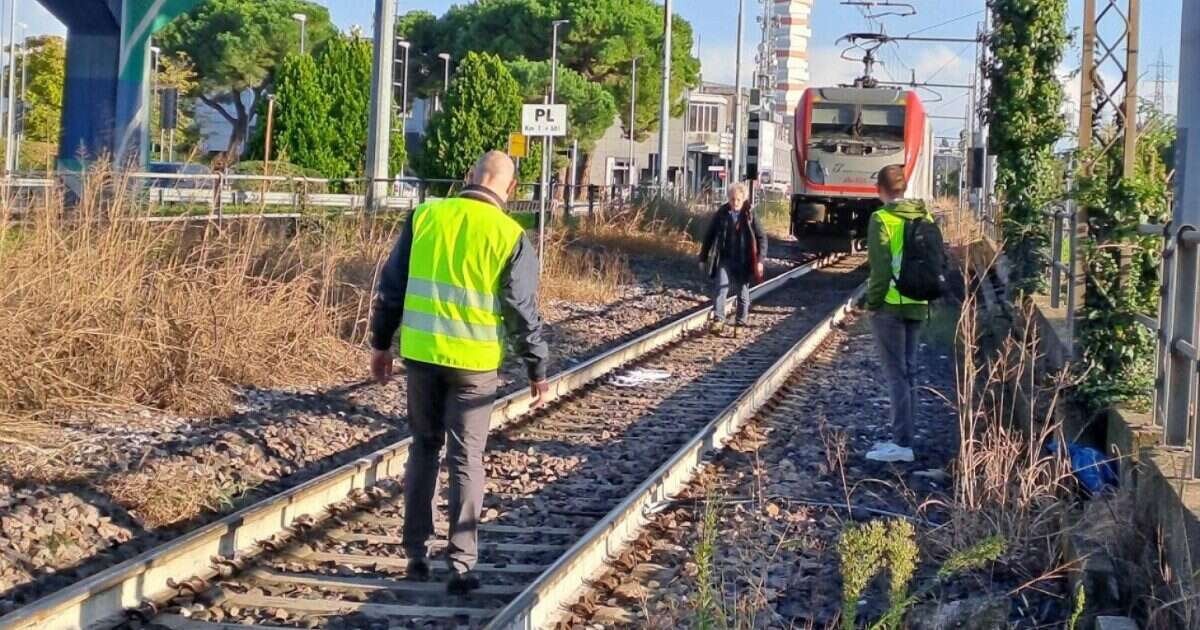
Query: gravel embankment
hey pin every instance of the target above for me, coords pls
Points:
(777, 500)
(126, 481)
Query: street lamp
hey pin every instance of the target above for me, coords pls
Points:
(632, 117)
(10, 154)
(404, 98)
(303, 20)
(445, 57)
(548, 147)
(155, 56)
(554, 58)
(21, 97)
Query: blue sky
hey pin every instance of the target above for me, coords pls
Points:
(715, 20)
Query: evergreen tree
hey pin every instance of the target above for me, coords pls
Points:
(333, 96)
(302, 132)
(481, 109)
(44, 94)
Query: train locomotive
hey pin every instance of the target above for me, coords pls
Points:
(843, 137)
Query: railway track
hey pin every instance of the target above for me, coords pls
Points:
(568, 485)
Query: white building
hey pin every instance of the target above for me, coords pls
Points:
(791, 30)
(710, 116)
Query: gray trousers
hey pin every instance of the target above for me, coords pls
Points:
(450, 407)
(722, 284)
(897, 341)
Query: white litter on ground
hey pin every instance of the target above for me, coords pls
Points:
(640, 376)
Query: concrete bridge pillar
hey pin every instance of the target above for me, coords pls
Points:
(106, 99)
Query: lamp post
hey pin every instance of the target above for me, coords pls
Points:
(548, 148)
(155, 56)
(632, 119)
(736, 175)
(10, 161)
(21, 96)
(404, 89)
(664, 117)
(445, 57)
(303, 20)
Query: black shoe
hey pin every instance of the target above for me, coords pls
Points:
(418, 569)
(462, 583)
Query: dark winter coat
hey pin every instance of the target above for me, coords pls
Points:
(738, 246)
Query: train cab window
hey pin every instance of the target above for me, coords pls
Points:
(883, 122)
(846, 120)
(830, 120)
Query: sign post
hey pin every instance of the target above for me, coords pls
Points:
(545, 121)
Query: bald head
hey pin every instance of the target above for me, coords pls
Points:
(495, 172)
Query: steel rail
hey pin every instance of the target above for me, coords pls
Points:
(544, 601)
(101, 600)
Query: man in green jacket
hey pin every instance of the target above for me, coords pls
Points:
(895, 319)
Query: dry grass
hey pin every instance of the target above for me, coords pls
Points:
(100, 310)
(578, 274)
(169, 492)
(776, 217)
(589, 261)
(960, 227)
(658, 230)
(1006, 484)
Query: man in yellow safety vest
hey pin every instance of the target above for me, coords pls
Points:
(462, 278)
(895, 318)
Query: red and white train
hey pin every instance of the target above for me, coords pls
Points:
(843, 137)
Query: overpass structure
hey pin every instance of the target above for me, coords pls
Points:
(106, 98)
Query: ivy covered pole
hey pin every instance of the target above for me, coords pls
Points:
(1025, 101)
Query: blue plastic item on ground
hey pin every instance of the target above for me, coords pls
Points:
(1094, 470)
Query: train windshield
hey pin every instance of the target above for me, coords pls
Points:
(845, 121)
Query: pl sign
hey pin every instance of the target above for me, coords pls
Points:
(544, 120)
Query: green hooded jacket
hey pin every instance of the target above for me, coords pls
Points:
(879, 254)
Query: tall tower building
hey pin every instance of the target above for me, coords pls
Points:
(791, 29)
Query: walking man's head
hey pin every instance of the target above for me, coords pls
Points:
(737, 196)
(891, 182)
(495, 172)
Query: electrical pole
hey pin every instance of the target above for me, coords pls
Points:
(736, 175)
(1175, 395)
(664, 124)
(1132, 42)
(379, 131)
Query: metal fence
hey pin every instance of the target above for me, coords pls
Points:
(221, 194)
(1177, 366)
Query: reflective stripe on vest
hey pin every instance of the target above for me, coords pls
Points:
(452, 309)
(894, 225)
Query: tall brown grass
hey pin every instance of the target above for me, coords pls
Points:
(661, 230)
(99, 308)
(575, 273)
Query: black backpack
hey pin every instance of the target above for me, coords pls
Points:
(923, 261)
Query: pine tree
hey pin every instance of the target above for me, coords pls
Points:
(336, 104)
(302, 133)
(482, 107)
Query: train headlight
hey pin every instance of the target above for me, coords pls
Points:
(814, 172)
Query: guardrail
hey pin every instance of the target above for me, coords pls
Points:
(1177, 366)
(219, 191)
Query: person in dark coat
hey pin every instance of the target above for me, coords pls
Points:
(733, 253)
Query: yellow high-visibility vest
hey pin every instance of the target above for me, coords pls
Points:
(452, 315)
(893, 225)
